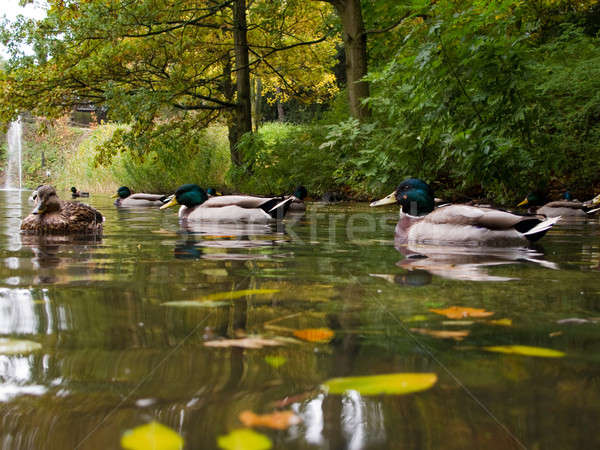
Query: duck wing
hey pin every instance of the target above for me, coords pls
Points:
(81, 213)
(243, 201)
(149, 197)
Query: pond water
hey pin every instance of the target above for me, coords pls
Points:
(123, 321)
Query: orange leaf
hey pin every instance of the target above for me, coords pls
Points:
(279, 420)
(314, 334)
(460, 312)
(457, 335)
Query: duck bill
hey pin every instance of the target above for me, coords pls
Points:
(386, 200)
(172, 202)
(523, 203)
(39, 209)
(114, 196)
(596, 200)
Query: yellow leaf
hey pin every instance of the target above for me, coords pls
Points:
(457, 335)
(279, 420)
(417, 318)
(237, 294)
(502, 322)
(244, 439)
(526, 350)
(314, 334)
(247, 342)
(462, 312)
(153, 436)
(395, 383)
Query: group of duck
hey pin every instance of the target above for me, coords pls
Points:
(420, 221)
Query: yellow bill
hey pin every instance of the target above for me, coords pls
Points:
(172, 202)
(386, 200)
(114, 196)
(524, 202)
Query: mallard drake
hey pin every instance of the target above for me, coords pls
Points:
(463, 225)
(197, 206)
(124, 197)
(53, 216)
(563, 208)
(75, 193)
(298, 202)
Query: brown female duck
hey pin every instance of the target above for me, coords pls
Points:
(54, 216)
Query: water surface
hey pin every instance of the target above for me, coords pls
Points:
(114, 356)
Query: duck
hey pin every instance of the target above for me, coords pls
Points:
(458, 225)
(567, 207)
(124, 197)
(54, 216)
(75, 193)
(297, 204)
(197, 206)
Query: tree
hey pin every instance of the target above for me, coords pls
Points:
(156, 63)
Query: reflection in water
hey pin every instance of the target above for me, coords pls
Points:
(466, 263)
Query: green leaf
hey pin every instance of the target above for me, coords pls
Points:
(275, 361)
(237, 294)
(244, 439)
(396, 383)
(526, 351)
(17, 346)
(153, 436)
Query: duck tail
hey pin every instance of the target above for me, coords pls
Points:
(277, 207)
(592, 211)
(540, 229)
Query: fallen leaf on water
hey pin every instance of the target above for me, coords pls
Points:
(461, 312)
(153, 436)
(279, 420)
(526, 351)
(247, 342)
(275, 361)
(244, 439)
(573, 320)
(395, 383)
(417, 318)
(315, 334)
(17, 346)
(501, 322)
(458, 323)
(555, 333)
(457, 335)
(230, 295)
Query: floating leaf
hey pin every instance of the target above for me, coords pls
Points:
(462, 312)
(457, 335)
(314, 334)
(275, 361)
(279, 420)
(244, 439)
(247, 342)
(555, 333)
(526, 350)
(458, 323)
(230, 295)
(417, 318)
(153, 436)
(396, 383)
(195, 304)
(501, 322)
(17, 346)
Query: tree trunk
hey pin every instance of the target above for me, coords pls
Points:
(242, 122)
(355, 47)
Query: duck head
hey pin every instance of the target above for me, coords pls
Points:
(300, 193)
(211, 192)
(73, 189)
(413, 195)
(189, 195)
(122, 192)
(47, 200)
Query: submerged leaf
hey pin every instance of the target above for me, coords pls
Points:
(17, 346)
(457, 335)
(396, 383)
(314, 334)
(279, 420)
(230, 295)
(526, 350)
(502, 322)
(462, 312)
(416, 318)
(247, 342)
(153, 436)
(275, 361)
(244, 439)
